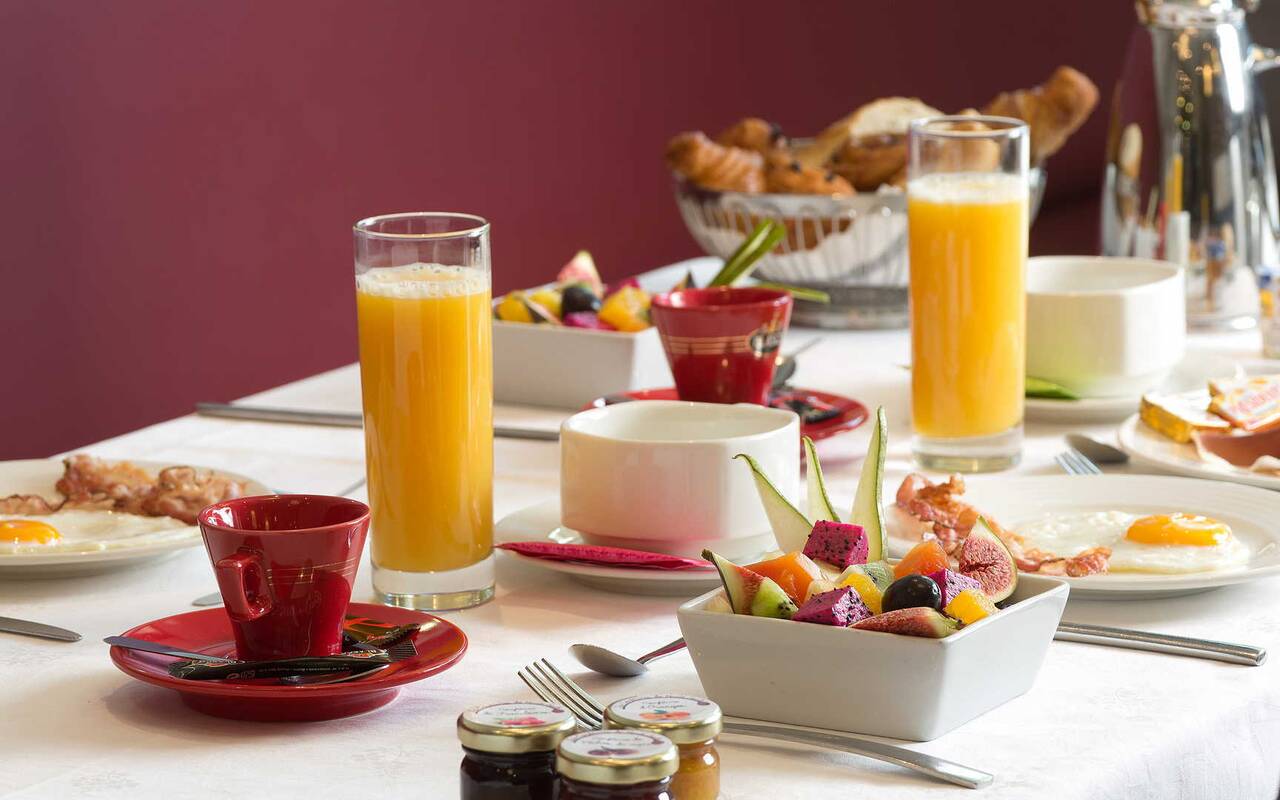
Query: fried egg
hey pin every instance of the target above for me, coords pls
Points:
(1167, 543)
(86, 530)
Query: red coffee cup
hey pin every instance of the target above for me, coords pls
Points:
(722, 342)
(285, 566)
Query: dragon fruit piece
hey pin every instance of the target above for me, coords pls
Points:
(841, 608)
(587, 319)
(840, 544)
(952, 584)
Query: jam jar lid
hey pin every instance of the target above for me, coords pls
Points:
(523, 727)
(617, 757)
(682, 719)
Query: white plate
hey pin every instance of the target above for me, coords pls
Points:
(1250, 512)
(1089, 409)
(542, 521)
(1153, 449)
(38, 476)
(1190, 374)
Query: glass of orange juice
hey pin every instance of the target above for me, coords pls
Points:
(426, 372)
(967, 229)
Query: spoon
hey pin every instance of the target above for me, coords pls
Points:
(1096, 451)
(787, 364)
(607, 662)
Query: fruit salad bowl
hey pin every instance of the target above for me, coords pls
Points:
(871, 682)
(563, 367)
(565, 343)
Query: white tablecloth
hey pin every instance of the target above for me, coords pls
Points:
(1099, 723)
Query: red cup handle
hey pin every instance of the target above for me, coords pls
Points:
(231, 573)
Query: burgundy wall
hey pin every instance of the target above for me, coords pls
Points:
(179, 179)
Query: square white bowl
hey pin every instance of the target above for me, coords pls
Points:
(559, 367)
(882, 684)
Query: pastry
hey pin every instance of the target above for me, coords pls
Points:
(789, 177)
(886, 116)
(714, 166)
(1053, 110)
(753, 133)
(869, 162)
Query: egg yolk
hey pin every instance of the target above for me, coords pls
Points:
(1178, 529)
(28, 531)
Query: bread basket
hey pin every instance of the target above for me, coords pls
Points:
(854, 248)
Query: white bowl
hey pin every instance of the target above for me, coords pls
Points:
(660, 475)
(1104, 327)
(881, 684)
(559, 367)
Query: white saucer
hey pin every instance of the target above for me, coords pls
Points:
(38, 476)
(542, 521)
(1152, 449)
(1250, 512)
(1189, 375)
(1087, 409)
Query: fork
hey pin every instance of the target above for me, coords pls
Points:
(1073, 462)
(553, 686)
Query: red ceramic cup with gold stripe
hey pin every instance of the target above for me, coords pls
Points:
(285, 566)
(722, 342)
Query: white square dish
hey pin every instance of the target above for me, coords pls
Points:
(559, 367)
(882, 684)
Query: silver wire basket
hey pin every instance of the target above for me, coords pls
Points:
(854, 248)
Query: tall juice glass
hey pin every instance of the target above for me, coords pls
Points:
(426, 371)
(967, 226)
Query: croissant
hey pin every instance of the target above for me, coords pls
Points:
(870, 161)
(1053, 110)
(753, 133)
(714, 166)
(789, 177)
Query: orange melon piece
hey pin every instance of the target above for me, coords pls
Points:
(793, 572)
(923, 559)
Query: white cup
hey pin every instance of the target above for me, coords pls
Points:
(660, 475)
(1104, 327)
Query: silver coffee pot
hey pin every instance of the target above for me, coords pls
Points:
(1190, 176)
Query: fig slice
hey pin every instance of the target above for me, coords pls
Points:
(986, 559)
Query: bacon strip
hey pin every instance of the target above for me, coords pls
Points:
(938, 504)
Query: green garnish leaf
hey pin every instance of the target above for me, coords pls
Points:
(760, 241)
(1038, 387)
(798, 292)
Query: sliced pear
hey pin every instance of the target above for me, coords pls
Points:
(790, 527)
(820, 506)
(868, 503)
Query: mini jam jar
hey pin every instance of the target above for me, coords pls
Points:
(510, 750)
(616, 765)
(693, 723)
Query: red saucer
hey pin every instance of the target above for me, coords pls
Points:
(440, 645)
(851, 412)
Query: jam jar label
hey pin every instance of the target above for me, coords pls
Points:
(516, 715)
(671, 709)
(615, 744)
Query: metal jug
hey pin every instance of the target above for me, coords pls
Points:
(1190, 176)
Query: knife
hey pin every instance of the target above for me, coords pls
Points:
(163, 649)
(37, 629)
(341, 419)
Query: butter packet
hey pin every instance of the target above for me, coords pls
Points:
(1178, 416)
(1250, 403)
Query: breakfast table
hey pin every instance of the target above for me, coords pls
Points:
(1099, 722)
